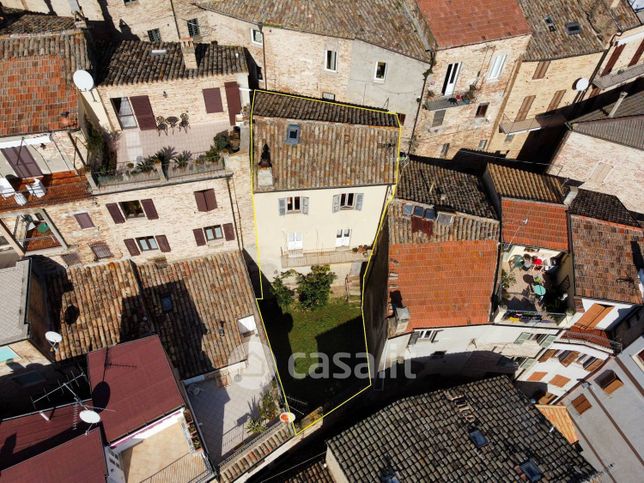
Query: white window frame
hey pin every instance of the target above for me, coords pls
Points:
(334, 58)
(344, 201)
(428, 335)
(343, 237)
(147, 243)
(125, 112)
(294, 241)
(329, 96)
(293, 201)
(375, 73)
(217, 231)
(497, 63)
(451, 78)
(252, 36)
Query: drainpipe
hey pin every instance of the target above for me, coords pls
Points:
(174, 17)
(260, 26)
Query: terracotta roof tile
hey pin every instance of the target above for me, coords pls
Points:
(547, 225)
(444, 284)
(602, 206)
(560, 418)
(314, 472)
(21, 22)
(461, 22)
(525, 185)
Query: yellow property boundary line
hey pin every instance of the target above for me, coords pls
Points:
(364, 276)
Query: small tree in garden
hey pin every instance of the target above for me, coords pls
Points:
(283, 294)
(255, 425)
(314, 287)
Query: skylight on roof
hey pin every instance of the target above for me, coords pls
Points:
(550, 23)
(531, 470)
(573, 28)
(478, 438)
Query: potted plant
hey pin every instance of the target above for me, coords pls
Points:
(182, 159)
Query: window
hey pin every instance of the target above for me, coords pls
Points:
(496, 66)
(193, 27)
(347, 201)
(482, 144)
(101, 251)
(295, 241)
(531, 471)
(550, 23)
(124, 112)
(292, 134)
(331, 60)
(329, 96)
(451, 76)
(591, 364)
(545, 340)
(166, 303)
(213, 232)
(132, 209)
(445, 219)
(408, 210)
(71, 259)
(444, 150)
(542, 68)
(428, 335)
(154, 35)
(381, 71)
(84, 220)
(342, 237)
(609, 382)
(256, 36)
(568, 357)
(128, 2)
(573, 28)
(481, 110)
(147, 243)
(556, 100)
(439, 117)
(581, 404)
(293, 204)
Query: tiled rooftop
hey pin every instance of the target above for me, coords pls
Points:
(444, 284)
(604, 260)
(441, 187)
(601, 206)
(62, 187)
(525, 185)
(18, 22)
(547, 225)
(136, 62)
(560, 418)
(384, 23)
(36, 81)
(461, 22)
(426, 438)
(98, 306)
(313, 472)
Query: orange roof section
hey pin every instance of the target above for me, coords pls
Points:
(560, 418)
(547, 225)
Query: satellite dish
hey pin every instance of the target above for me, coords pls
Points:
(90, 417)
(582, 84)
(83, 80)
(287, 417)
(53, 337)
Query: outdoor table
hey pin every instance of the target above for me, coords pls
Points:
(539, 290)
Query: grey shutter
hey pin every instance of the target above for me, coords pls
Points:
(527, 364)
(200, 198)
(359, 201)
(22, 162)
(162, 241)
(229, 231)
(414, 337)
(305, 205)
(212, 99)
(143, 112)
(115, 212)
(84, 220)
(547, 341)
(282, 206)
(199, 237)
(522, 338)
(132, 247)
(211, 200)
(149, 209)
(336, 203)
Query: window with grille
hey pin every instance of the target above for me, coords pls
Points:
(193, 27)
(256, 36)
(154, 35)
(101, 251)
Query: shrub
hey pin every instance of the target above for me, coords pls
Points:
(283, 294)
(314, 287)
(182, 159)
(268, 409)
(255, 425)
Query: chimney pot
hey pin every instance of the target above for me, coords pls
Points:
(572, 194)
(618, 102)
(189, 55)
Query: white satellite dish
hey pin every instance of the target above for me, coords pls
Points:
(90, 417)
(83, 80)
(53, 337)
(581, 84)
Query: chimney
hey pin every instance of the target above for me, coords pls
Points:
(265, 171)
(572, 194)
(618, 102)
(189, 55)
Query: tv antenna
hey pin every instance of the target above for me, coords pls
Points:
(84, 81)
(54, 338)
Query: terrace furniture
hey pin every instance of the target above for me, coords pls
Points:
(162, 125)
(539, 290)
(172, 120)
(516, 262)
(6, 188)
(184, 124)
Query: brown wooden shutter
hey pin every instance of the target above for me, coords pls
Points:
(537, 376)
(199, 237)
(143, 112)
(593, 366)
(638, 55)
(162, 240)
(132, 247)
(525, 108)
(556, 100)
(594, 316)
(569, 358)
(211, 200)
(212, 99)
(200, 198)
(22, 162)
(229, 231)
(581, 404)
(613, 59)
(233, 100)
(542, 68)
(84, 220)
(547, 355)
(115, 211)
(559, 381)
(609, 382)
(149, 209)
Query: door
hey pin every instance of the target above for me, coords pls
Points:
(143, 112)
(342, 237)
(450, 78)
(22, 162)
(295, 241)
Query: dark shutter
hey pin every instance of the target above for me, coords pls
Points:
(143, 112)
(84, 220)
(200, 198)
(115, 211)
(162, 240)
(229, 231)
(22, 162)
(132, 247)
(413, 338)
(233, 100)
(149, 209)
(71, 259)
(638, 54)
(613, 59)
(542, 68)
(547, 355)
(525, 108)
(199, 237)
(211, 200)
(212, 99)
(556, 100)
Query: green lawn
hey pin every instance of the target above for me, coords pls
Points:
(336, 327)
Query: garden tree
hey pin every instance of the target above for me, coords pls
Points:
(283, 294)
(314, 287)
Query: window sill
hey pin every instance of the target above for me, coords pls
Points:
(215, 243)
(379, 81)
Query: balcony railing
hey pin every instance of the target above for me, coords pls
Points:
(462, 98)
(191, 467)
(619, 77)
(532, 317)
(304, 258)
(540, 121)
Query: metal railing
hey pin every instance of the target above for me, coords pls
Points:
(301, 258)
(461, 98)
(533, 316)
(540, 121)
(191, 467)
(574, 337)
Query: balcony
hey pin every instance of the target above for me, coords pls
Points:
(619, 77)
(305, 258)
(540, 121)
(17, 194)
(32, 232)
(462, 98)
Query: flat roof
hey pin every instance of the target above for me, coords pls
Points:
(14, 286)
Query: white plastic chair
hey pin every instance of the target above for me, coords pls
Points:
(37, 189)
(20, 198)
(6, 189)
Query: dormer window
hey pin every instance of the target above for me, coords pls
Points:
(293, 134)
(573, 28)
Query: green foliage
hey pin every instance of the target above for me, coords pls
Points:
(268, 409)
(255, 425)
(182, 159)
(507, 279)
(146, 165)
(164, 156)
(283, 295)
(314, 287)
(222, 141)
